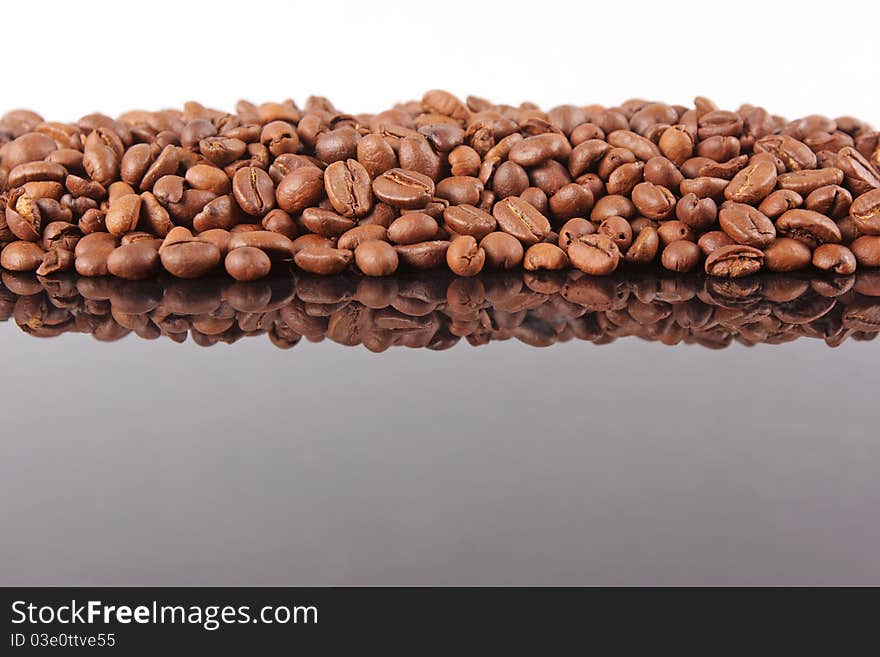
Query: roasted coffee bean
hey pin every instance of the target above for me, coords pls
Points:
(91, 254)
(865, 212)
(836, 258)
(191, 259)
(571, 200)
(205, 176)
(831, 200)
(712, 240)
(859, 175)
(662, 172)
(376, 258)
(535, 150)
(503, 251)
(276, 245)
(424, 255)
(133, 262)
(300, 189)
(619, 230)
(60, 235)
(572, 229)
(465, 257)
(222, 212)
(809, 227)
(681, 256)
(521, 219)
(56, 261)
(672, 231)
(460, 190)
(124, 214)
(612, 206)
(734, 261)
(23, 216)
(544, 256)
(698, 213)
(400, 188)
(804, 182)
(21, 256)
(377, 156)
(254, 191)
(752, 184)
(469, 220)
(348, 188)
(323, 260)
(645, 247)
(412, 228)
(653, 201)
(359, 234)
(247, 263)
(596, 254)
(866, 249)
(780, 202)
(795, 155)
(787, 254)
(746, 225)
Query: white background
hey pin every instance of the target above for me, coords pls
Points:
(794, 58)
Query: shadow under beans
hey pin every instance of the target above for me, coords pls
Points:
(437, 310)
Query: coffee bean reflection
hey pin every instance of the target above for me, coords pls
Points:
(436, 311)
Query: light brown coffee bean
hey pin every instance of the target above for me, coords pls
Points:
(521, 219)
(134, 262)
(376, 258)
(503, 251)
(192, 259)
(247, 263)
(465, 257)
(400, 188)
(836, 258)
(596, 254)
(809, 227)
(545, 256)
(348, 188)
(746, 225)
(469, 220)
(787, 254)
(734, 261)
(323, 260)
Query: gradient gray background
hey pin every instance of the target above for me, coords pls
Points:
(151, 463)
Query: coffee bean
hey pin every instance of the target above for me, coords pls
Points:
(713, 239)
(681, 256)
(698, 213)
(133, 262)
(465, 257)
(276, 245)
(404, 189)
(746, 225)
(503, 251)
(619, 230)
(672, 231)
(734, 261)
(653, 201)
(780, 202)
(752, 184)
(831, 200)
(521, 219)
(56, 261)
(348, 188)
(865, 212)
(359, 234)
(536, 150)
(254, 191)
(424, 255)
(469, 220)
(859, 174)
(836, 258)
(191, 259)
(124, 214)
(91, 254)
(596, 254)
(247, 263)
(211, 178)
(545, 256)
(323, 260)
(376, 258)
(866, 249)
(804, 182)
(460, 190)
(787, 254)
(809, 227)
(413, 228)
(645, 247)
(21, 256)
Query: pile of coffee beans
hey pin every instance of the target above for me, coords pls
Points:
(439, 182)
(436, 311)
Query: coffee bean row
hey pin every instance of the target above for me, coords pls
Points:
(438, 183)
(437, 311)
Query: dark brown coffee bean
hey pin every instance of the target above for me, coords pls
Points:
(400, 188)
(549, 177)
(56, 261)
(584, 156)
(645, 247)
(780, 202)
(681, 256)
(503, 251)
(276, 245)
(836, 258)
(625, 177)
(653, 201)
(465, 257)
(746, 225)
(376, 258)
(712, 240)
(326, 222)
(254, 191)
(697, 213)
(865, 212)
(415, 154)
(323, 260)
(619, 230)
(572, 229)
(521, 219)
(545, 256)
(412, 228)
(804, 182)
(809, 227)
(133, 262)
(348, 188)
(360, 234)
(210, 178)
(866, 249)
(752, 184)
(734, 261)
(535, 150)
(278, 221)
(124, 214)
(424, 255)
(859, 175)
(247, 263)
(571, 200)
(300, 189)
(191, 259)
(60, 235)
(169, 189)
(596, 255)
(795, 155)
(21, 256)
